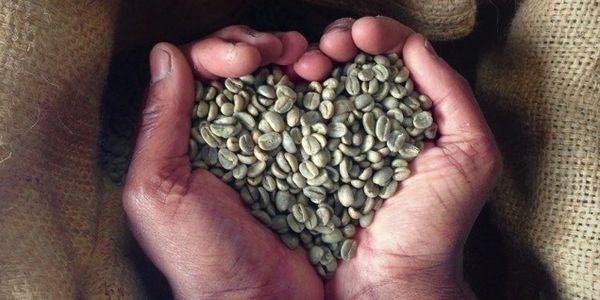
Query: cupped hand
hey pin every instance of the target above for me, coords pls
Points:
(195, 229)
(413, 247)
(192, 226)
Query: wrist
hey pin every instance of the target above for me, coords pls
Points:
(421, 288)
(420, 279)
(415, 288)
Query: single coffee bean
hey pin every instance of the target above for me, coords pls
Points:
(366, 75)
(336, 130)
(383, 128)
(401, 173)
(311, 100)
(366, 220)
(409, 151)
(324, 215)
(347, 249)
(345, 195)
(422, 120)
(266, 91)
(382, 177)
(388, 190)
(269, 141)
(294, 225)
(263, 217)
(274, 120)
(349, 230)
(227, 159)
(364, 102)
(311, 145)
(332, 237)
(290, 241)
(315, 194)
(352, 85)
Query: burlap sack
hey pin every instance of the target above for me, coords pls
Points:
(62, 230)
(438, 20)
(541, 93)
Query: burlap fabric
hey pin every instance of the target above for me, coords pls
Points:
(541, 93)
(62, 230)
(438, 20)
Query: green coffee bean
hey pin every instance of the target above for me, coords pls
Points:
(354, 213)
(262, 216)
(315, 254)
(279, 224)
(311, 219)
(290, 241)
(422, 120)
(336, 130)
(311, 100)
(266, 91)
(227, 159)
(401, 173)
(352, 85)
(383, 128)
(364, 102)
(347, 249)
(326, 109)
(366, 220)
(388, 190)
(371, 190)
(324, 215)
(369, 123)
(431, 131)
(382, 177)
(314, 193)
(349, 230)
(366, 75)
(269, 141)
(299, 212)
(345, 195)
(409, 151)
(294, 225)
(328, 94)
(332, 237)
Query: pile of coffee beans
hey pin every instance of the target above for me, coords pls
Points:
(313, 161)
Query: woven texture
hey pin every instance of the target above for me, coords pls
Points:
(541, 92)
(63, 234)
(439, 20)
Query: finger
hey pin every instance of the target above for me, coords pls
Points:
(376, 35)
(337, 42)
(294, 45)
(455, 109)
(313, 65)
(162, 143)
(214, 57)
(268, 45)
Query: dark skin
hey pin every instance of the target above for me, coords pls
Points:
(196, 230)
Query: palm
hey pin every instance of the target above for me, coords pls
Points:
(244, 248)
(416, 228)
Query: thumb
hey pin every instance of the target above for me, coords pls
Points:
(455, 109)
(160, 166)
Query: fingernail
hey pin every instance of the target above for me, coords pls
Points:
(339, 24)
(160, 64)
(428, 47)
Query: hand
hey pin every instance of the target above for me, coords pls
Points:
(192, 226)
(167, 205)
(413, 248)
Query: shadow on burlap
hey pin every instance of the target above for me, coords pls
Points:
(62, 230)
